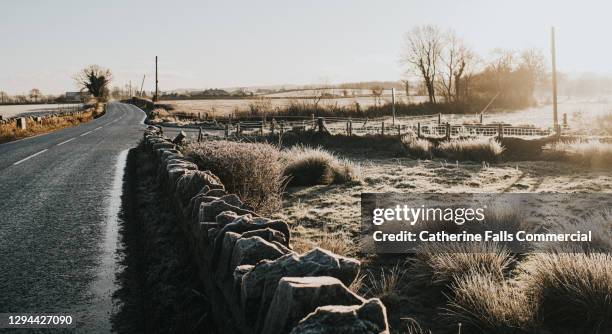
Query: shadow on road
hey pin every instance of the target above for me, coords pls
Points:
(159, 289)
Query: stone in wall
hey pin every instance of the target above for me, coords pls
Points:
(296, 297)
(247, 223)
(253, 249)
(192, 182)
(208, 211)
(259, 284)
(267, 234)
(368, 318)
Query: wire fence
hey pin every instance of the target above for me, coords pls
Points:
(428, 125)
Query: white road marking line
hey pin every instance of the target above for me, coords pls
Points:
(98, 128)
(64, 142)
(86, 133)
(30, 157)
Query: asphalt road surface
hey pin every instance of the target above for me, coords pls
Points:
(59, 206)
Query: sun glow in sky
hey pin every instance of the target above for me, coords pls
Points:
(205, 44)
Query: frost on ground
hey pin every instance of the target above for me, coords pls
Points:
(317, 211)
(329, 216)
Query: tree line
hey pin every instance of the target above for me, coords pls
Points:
(450, 71)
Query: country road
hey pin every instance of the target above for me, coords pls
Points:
(59, 210)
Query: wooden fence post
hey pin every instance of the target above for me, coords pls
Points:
(419, 130)
(282, 128)
(448, 131)
(481, 118)
(21, 123)
(439, 118)
(565, 120)
(500, 130)
(272, 125)
(382, 130)
(226, 130)
(200, 135)
(350, 127)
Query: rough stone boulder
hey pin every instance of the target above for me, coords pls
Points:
(173, 175)
(192, 182)
(259, 284)
(246, 223)
(216, 192)
(226, 217)
(296, 297)
(181, 163)
(194, 204)
(204, 196)
(209, 211)
(254, 249)
(158, 147)
(238, 273)
(171, 153)
(368, 318)
(267, 234)
(179, 138)
(225, 255)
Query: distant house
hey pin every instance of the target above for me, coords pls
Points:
(76, 97)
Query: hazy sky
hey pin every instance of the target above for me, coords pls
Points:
(205, 44)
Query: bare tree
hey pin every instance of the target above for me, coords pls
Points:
(35, 94)
(95, 80)
(377, 92)
(3, 97)
(533, 62)
(423, 46)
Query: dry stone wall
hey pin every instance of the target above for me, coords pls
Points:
(255, 282)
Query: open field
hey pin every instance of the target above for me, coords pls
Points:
(223, 107)
(480, 289)
(329, 216)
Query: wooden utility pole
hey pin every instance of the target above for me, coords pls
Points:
(142, 85)
(554, 79)
(156, 82)
(393, 104)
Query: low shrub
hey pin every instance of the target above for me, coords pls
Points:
(592, 153)
(482, 303)
(571, 291)
(475, 149)
(418, 147)
(385, 283)
(250, 170)
(305, 166)
(440, 264)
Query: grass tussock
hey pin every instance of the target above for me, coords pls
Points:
(384, 283)
(250, 170)
(10, 132)
(484, 304)
(474, 149)
(159, 115)
(306, 166)
(441, 264)
(418, 147)
(570, 290)
(592, 153)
